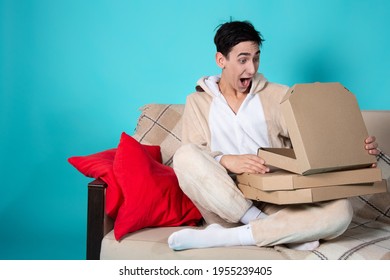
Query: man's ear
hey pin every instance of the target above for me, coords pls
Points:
(220, 59)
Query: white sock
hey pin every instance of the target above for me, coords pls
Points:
(307, 246)
(212, 236)
(253, 213)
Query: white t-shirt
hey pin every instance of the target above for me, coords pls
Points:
(241, 133)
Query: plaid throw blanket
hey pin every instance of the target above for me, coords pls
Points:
(383, 157)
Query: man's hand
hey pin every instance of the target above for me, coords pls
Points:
(371, 146)
(244, 163)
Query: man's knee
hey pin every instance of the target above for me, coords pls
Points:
(342, 218)
(185, 154)
(346, 212)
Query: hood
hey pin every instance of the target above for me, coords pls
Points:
(258, 83)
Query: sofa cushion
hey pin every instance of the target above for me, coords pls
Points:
(160, 124)
(151, 193)
(151, 244)
(369, 241)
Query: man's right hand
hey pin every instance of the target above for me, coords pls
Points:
(244, 164)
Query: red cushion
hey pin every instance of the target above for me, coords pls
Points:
(95, 165)
(99, 165)
(152, 196)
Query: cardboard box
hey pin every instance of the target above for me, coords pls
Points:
(311, 195)
(326, 129)
(285, 180)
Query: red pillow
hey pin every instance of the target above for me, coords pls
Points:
(95, 165)
(152, 196)
(99, 165)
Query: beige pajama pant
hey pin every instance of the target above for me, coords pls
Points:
(207, 183)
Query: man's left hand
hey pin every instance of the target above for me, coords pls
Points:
(371, 146)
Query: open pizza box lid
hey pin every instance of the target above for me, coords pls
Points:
(326, 129)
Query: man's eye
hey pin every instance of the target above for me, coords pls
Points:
(242, 61)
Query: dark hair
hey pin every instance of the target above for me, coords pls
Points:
(232, 33)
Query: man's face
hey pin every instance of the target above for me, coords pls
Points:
(240, 65)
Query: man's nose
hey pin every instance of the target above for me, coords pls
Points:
(252, 68)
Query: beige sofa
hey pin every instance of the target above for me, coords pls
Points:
(368, 236)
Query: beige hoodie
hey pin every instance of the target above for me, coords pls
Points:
(196, 113)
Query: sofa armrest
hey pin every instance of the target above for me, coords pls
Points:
(98, 223)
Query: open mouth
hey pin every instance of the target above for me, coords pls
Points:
(245, 82)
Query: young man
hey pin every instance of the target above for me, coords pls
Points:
(224, 123)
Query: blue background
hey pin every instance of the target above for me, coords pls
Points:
(73, 74)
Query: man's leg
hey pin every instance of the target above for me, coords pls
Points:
(303, 223)
(208, 185)
(299, 227)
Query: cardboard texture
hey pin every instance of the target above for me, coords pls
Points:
(311, 195)
(285, 180)
(326, 129)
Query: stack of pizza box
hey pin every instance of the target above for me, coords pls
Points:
(328, 159)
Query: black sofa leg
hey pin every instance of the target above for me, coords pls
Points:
(95, 218)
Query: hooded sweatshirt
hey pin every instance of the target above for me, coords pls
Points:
(209, 122)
